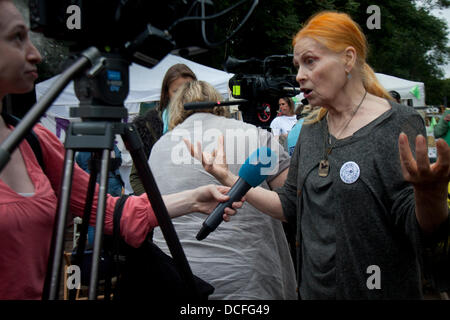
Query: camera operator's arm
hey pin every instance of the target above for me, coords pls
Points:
(202, 199)
(138, 217)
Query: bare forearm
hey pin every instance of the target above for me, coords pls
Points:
(179, 204)
(262, 199)
(266, 201)
(431, 208)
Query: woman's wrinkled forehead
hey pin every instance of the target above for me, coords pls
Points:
(308, 45)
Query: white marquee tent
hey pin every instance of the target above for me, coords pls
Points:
(408, 90)
(145, 86)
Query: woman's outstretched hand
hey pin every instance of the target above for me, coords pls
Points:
(214, 163)
(418, 171)
(430, 182)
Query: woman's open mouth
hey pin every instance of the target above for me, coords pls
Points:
(306, 92)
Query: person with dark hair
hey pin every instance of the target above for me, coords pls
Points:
(149, 126)
(394, 94)
(30, 192)
(364, 207)
(175, 76)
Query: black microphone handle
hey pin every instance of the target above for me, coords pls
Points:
(212, 104)
(236, 192)
(199, 105)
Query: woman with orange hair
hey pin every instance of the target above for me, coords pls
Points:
(364, 207)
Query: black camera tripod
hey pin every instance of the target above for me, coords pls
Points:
(101, 90)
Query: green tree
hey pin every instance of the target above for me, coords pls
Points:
(411, 43)
(268, 31)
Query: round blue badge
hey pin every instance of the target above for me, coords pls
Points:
(349, 172)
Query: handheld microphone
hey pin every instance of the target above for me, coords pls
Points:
(250, 175)
(211, 104)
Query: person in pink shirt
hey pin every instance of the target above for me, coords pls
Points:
(29, 195)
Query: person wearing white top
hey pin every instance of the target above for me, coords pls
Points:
(283, 123)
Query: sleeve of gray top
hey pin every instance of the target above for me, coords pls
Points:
(288, 192)
(267, 139)
(404, 207)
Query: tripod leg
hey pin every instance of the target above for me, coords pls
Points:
(81, 246)
(134, 145)
(99, 224)
(56, 250)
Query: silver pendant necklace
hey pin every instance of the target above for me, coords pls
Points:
(324, 165)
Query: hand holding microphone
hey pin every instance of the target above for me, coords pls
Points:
(251, 174)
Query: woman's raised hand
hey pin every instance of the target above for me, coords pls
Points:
(214, 163)
(418, 171)
(429, 181)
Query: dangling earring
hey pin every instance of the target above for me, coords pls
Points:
(349, 76)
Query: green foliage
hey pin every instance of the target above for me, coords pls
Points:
(411, 43)
(436, 90)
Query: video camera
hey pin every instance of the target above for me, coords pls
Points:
(262, 83)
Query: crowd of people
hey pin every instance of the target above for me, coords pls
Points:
(352, 180)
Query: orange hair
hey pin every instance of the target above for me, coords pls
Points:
(337, 31)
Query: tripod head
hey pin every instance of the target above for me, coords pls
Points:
(103, 89)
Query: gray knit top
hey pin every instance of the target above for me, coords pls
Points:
(357, 234)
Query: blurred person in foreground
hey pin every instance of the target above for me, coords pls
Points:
(30, 193)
